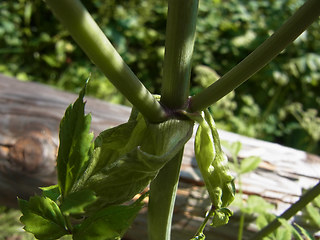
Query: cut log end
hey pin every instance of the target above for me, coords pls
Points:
(33, 151)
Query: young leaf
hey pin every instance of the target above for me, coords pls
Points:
(249, 164)
(75, 144)
(221, 217)
(51, 192)
(76, 202)
(213, 162)
(108, 224)
(123, 167)
(42, 217)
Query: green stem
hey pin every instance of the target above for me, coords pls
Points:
(180, 34)
(161, 200)
(204, 223)
(290, 212)
(98, 48)
(269, 49)
(241, 226)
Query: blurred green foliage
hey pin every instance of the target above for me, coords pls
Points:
(281, 103)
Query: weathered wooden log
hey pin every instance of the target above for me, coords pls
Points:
(29, 120)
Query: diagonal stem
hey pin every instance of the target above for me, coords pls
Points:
(290, 212)
(268, 50)
(95, 44)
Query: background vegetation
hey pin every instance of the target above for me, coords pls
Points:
(281, 103)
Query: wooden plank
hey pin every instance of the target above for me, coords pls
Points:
(29, 119)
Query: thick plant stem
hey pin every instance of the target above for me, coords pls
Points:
(162, 198)
(269, 49)
(290, 212)
(180, 34)
(94, 43)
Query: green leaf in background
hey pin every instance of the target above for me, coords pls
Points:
(75, 144)
(51, 192)
(256, 205)
(314, 214)
(109, 223)
(305, 234)
(287, 231)
(42, 217)
(249, 164)
(76, 202)
(234, 148)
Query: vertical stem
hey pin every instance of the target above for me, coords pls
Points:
(290, 212)
(180, 34)
(95, 44)
(162, 198)
(269, 49)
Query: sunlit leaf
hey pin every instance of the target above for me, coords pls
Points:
(42, 217)
(75, 144)
(76, 202)
(51, 192)
(107, 224)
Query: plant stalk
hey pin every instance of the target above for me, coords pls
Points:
(290, 212)
(162, 198)
(268, 50)
(180, 35)
(98, 48)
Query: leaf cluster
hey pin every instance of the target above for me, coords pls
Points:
(96, 178)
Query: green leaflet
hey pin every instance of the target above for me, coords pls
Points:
(43, 218)
(75, 144)
(51, 192)
(212, 163)
(126, 158)
(76, 202)
(109, 223)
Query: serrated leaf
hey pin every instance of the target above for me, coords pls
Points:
(108, 224)
(42, 217)
(76, 202)
(75, 144)
(249, 164)
(51, 192)
(124, 167)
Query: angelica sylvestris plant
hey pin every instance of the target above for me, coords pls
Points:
(97, 179)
